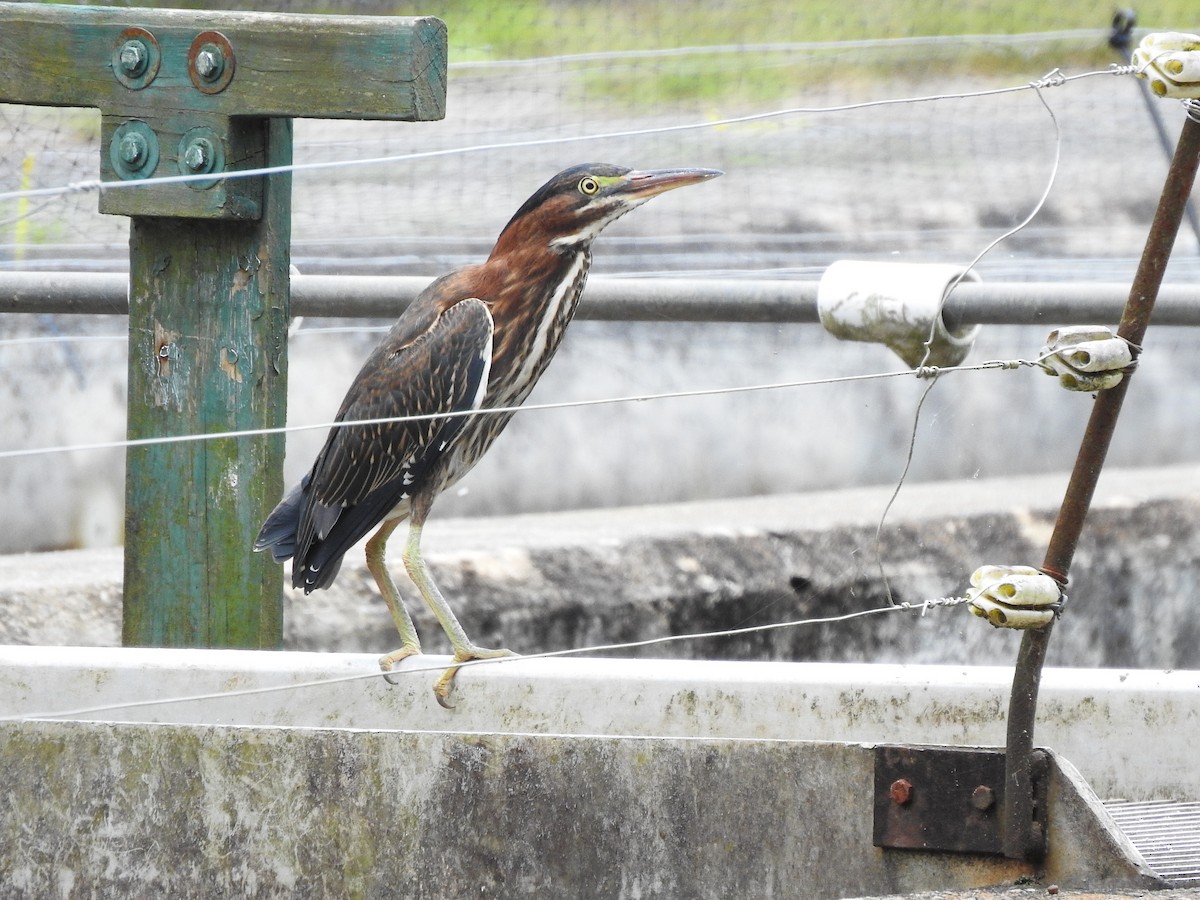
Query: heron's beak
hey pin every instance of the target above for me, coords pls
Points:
(643, 185)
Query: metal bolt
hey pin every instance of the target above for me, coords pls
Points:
(134, 150)
(210, 62)
(198, 155)
(901, 791)
(134, 59)
(983, 797)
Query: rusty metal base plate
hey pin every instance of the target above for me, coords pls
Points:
(940, 798)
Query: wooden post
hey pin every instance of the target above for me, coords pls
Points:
(208, 323)
(209, 93)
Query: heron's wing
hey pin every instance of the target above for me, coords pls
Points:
(363, 471)
(444, 370)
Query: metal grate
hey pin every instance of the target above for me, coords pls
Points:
(1166, 833)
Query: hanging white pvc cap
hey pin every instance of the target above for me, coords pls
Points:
(897, 304)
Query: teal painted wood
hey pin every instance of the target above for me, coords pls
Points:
(207, 353)
(278, 66)
(341, 67)
(209, 264)
(221, 198)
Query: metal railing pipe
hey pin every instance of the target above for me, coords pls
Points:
(611, 298)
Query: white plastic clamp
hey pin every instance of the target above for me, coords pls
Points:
(1086, 357)
(1170, 61)
(897, 304)
(1014, 596)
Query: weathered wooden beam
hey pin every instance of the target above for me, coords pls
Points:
(325, 67)
(185, 92)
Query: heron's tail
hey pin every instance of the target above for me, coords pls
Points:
(279, 531)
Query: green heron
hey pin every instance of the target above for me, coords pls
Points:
(476, 339)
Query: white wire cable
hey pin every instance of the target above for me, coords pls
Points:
(1050, 79)
(926, 372)
(441, 667)
(98, 185)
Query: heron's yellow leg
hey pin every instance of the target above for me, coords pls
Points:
(414, 564)
(410, 644)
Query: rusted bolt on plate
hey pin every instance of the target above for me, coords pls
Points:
(901, 791)
(983, 798)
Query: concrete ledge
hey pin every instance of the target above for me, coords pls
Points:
(1104, 721)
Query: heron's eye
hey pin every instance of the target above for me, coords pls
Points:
(588, 185)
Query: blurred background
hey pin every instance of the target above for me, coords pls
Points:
(936, 180)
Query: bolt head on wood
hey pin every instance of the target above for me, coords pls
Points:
(210, 62)
(198, 156)
(133, 150)
(134, 58)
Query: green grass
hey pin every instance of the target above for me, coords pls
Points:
(505, 29)
(526, 28)
(516, 29)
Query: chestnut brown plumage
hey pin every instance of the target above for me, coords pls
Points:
(476, 339)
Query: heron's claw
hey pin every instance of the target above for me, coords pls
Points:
(389, 661)
(443, 686)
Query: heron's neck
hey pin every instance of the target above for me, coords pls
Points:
(531, 321)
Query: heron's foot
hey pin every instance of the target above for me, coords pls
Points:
(389, 661)
(443, 686)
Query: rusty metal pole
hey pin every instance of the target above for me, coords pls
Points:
(1022, 840)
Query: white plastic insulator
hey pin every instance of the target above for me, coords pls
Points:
(896, 304)
(1001, 616)
(1013, 596)
(1086, 357)
(1170, 61)
(1098, 356)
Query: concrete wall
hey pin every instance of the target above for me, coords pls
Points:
(558, 580)
(992, 424)
(158, 810)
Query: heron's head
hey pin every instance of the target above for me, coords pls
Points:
(569, 210)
